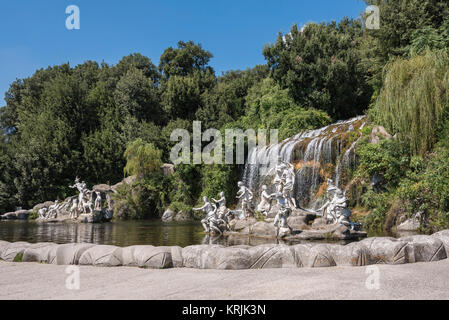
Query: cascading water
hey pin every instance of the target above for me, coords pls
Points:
(328, 152)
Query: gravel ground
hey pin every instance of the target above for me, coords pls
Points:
(408, 281)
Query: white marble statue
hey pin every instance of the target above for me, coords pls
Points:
(74, 209)
(210, 222)
(264, 205)
(53, 210)
(335, 209)
(246, 196)
(280, 221)
(42, 213)
(98, 201)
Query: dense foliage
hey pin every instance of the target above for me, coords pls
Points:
(99, 121)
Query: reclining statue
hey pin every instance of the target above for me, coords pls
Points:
(335, 210)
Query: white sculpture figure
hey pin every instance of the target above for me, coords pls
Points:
(326, 208)
(247, 196)
(87, 205)
(221, 205)
(53, 210)
(74, 209)
(210, 222)
(280, 221)
(42, 213)
(97, 200)
(288, 178)
(336, 209)
(265, 201)
(223, 212)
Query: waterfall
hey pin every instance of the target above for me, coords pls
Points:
(317, 155)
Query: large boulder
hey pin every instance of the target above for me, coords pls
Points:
(176, 256)
(3, 245)
(385, 250)
(199, 256)
(409, 225)
(149, 257)
(67, 254)
(444, 237)
(168, 215)
(13, 250)
(313, 255)
(46, 204)
(38, 252)
(352, 254)
(422, 248)
(102, 255)
(272, 256)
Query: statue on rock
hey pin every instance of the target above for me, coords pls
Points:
(210, 222)
(335, 210)
(280, 221)
(246, 196)
(264, 205)
(222, 209)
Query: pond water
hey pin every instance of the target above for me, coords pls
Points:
(124, 233)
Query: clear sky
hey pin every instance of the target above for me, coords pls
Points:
(34, 33)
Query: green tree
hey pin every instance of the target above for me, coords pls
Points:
(142, 159)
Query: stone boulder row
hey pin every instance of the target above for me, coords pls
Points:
(102, 255)
(385, 250)
(67, 254)
(199, 256)
(421, 248)
(38, 252)
(3, 245)
(146, 256)
(272, 256)
(352, 254)
(176, 256)
(12, 250)
(444, 237)
(313, 255)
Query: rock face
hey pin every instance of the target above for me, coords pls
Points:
(16, 215)
(377, 250)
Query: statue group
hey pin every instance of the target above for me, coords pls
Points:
(86, 202)
(334, 211)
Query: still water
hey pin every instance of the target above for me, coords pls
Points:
(123, 233)
(119, 233)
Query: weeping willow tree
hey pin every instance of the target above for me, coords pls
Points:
(142, 158)
(414, 98)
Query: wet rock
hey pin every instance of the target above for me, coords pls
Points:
(168, 215)
(67, 254)
(102, 255)
(297, 222)
(421, 248)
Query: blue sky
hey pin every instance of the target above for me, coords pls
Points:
(34, 35)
